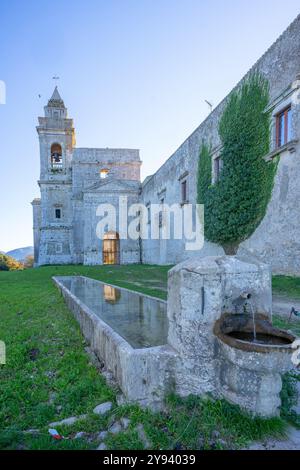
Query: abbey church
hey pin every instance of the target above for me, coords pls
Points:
(75, 181)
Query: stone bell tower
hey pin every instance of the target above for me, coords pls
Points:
(53, 219)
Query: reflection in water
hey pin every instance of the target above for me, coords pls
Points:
(141, 321)
(111, 294)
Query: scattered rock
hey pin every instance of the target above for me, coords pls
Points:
(59, 408)
(109, 378)
(201, 443)
(121, 400)
(215, 434)
(52, 398)
(143, 437)
(125, 422)
(32, 431)
(102, 435)
(50, 374)
(102, 446)
(222, 443)
(80, 435)
(102, 408)
(115, 428)
(292, 442)
(67, 421)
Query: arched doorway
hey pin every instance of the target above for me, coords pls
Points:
(111, 248)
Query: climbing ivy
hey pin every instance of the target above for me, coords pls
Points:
(236, 204)
(204, 173)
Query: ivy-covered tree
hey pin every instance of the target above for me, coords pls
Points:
(236, 204)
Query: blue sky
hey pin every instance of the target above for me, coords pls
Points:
(133, 73)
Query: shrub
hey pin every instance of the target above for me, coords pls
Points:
(7, 263)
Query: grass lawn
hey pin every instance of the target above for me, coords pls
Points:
(49, 376)
(287, 286)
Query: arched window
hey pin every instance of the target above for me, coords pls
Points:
(56, 156)
(104, 173)
(111, 248)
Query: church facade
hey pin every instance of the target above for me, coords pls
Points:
(74, 181)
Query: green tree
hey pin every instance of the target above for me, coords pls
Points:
(236, 204)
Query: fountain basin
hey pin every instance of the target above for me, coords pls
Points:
(250, 371)
(236, 330)
(126, 331)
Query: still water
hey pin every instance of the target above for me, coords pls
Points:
(142, 321)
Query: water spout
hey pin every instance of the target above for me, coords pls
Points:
(243, 300)
(253, 319)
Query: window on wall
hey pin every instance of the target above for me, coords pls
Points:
(58, 213)
(104, 173)
(162, 201)
(218, 165)
(184, 194)
(284, 127)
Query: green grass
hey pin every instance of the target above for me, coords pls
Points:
(284, 324)
(49, 376)
(289, 395)
(286, 286)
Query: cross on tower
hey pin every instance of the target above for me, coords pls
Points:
(55, 78)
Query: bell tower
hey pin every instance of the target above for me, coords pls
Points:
(57, 140)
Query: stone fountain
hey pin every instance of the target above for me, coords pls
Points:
(218, 338)
(220, 323)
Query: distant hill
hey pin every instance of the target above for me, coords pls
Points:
(20, 253)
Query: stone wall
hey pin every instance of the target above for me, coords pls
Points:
(276, 239)
(108, 193)
(89, 191)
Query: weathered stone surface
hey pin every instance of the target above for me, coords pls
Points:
(143, 436)
(102, 446)
(276, 239)
(80, 435)
(32, 431)
(144, 375)
(103, 408)
(68, 421)
(201, 291)
(121, 399)
(125, 422)
(292, 442)
(115, 428)
(74, 187)
(102, 435)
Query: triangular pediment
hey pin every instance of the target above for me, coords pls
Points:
(112, 185)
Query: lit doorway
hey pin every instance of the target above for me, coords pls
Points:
(111, 248)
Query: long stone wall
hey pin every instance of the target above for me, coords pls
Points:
(276, 239)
